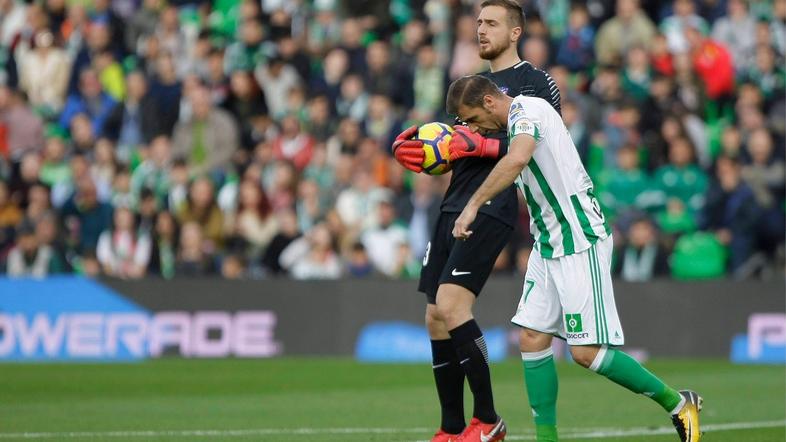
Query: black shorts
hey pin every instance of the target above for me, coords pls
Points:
(465, 263)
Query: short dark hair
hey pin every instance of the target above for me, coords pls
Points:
(469, 91)
(515, 13)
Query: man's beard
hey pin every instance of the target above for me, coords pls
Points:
(493, 52)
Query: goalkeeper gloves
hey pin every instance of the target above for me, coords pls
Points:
(409, 152)
(466, 143)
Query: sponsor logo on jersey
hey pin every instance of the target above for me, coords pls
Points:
(573, 322)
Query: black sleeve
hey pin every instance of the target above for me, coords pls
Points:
(546, 88)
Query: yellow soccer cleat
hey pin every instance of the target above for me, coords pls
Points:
(686, 421)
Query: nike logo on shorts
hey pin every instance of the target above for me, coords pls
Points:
(455, 272)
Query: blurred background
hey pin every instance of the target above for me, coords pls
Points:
(250, 139)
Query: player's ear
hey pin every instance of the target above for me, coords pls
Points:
(515, 34)
(488, 103)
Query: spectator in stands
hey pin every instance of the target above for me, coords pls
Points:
(309, 206)
(312, 256)
(135, 121)
(642, 257)
(10, 216)
(154, 172)
(282, 191)
(48, 233)
(104, 165)
(712, 63)
(12, 18)
(576, 51)
(574, 120)
(358, 262)
(170, 34)
(38, 202)
(111, 74)
(142, 24)
(320, 123)
(381, 122)
(193, 257)
(85, 216)
(201, 208)
(429, 85)
(233, 266)
(90, 100)
(253, 225)
(54, 167)
(245, 102)
(167, 89)
(682, 178)
(737, 32)
(383, 241)
(629, 27)
(765, 176)
(30, 258)
(251, 50)
(287, 233)
(637, 75)
(419, 211)
(675, 26)
(124, 251)
(27, 175)
(465, 59)
(208, 139)
(536, 52)
(732, 214)
(147, 209)
(24, 130)
(277, 78)
(767, 74)
(164, 246)
(357, 205)
(293, 144)
(353, 99)
(624, 188)
(43, 74)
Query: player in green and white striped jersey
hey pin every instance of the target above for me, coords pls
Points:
(568, 291)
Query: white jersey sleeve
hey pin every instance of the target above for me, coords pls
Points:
(565, 216)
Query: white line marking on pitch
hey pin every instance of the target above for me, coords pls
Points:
(567, 434)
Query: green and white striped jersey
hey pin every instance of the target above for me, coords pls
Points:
(565, 217)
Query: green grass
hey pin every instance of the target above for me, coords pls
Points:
(313, 394)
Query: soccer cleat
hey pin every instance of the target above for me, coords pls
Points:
(686, 421)
(478, 431)
(442, 436)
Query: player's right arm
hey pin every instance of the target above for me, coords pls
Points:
(507, 169)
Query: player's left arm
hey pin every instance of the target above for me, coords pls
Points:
(520, 151)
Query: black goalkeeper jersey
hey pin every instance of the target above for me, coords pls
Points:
(469, 173)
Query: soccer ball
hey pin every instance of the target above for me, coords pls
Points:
(435, 137)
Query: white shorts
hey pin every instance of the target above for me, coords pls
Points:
(571, 297)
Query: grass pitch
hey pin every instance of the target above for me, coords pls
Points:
(342, 400)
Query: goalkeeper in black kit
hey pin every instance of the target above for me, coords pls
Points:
(454, 271)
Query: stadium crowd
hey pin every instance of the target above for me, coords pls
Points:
(250, 139)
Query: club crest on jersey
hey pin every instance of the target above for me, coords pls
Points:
(503, 89)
